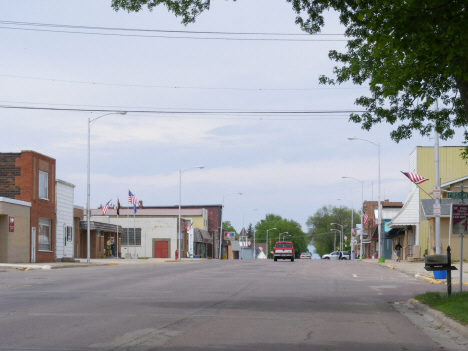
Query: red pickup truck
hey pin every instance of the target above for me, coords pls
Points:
(283, 250)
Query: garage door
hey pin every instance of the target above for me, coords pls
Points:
(161, 249)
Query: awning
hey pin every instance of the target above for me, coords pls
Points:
(409, 213)
(393, 233)
(235, 245)
(105, 227)
(427, 207)
(201, 236)
(206, 236)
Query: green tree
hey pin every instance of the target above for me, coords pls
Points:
(320, 228)
(297, 236)
(250, 231)
(227, 226)
(411, 53)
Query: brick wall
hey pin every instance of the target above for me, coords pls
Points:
(8, 172)
(31, 163)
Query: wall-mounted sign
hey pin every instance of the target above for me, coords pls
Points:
(11, 224)
(229, 235)
(459, 219)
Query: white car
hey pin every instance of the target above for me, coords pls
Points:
(306, 255)
(335, 255)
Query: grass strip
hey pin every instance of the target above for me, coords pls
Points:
(455, 306)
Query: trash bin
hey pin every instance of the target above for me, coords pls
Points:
(440, 274)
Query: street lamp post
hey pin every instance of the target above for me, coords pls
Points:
(88, 186)
(267, 241)
(334, 243)
(362, 214)
(279, 237)
(352, 223)
(243, 227)
(378, 204)
(341, 236)
(221, 226)
(179, 236)
(285, 236)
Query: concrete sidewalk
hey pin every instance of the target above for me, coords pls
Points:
(416, 269)
(82, 262)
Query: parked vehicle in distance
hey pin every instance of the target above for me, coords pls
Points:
(283, 250)
(306, 255)
(335, 255)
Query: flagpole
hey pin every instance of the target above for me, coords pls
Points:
(134, 238)
(117, 229)
(128, 225)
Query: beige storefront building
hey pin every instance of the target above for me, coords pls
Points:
(15, 242)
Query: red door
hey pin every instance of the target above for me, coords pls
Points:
(160, 249)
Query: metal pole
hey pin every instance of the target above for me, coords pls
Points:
(134, 235)
(221, 231)
(362, 218)
(180, 200)
(128, 226)
(88, 212)
(254, 248)
(267, 241)
(117, 241)
(380, 212)
(461, 262)
(437, 184)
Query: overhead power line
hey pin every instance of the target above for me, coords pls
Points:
(106, 31)
(157, 30)
(185, 112)
(173, 87)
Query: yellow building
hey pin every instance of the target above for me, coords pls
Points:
(418, 231)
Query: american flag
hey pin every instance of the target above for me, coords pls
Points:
(345, 238)
(105, 208)
(416, 179)
(189, 226)
(365, 217)
(132, 199)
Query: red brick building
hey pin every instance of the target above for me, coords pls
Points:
(30, 176)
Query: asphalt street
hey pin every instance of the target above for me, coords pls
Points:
(211, 305)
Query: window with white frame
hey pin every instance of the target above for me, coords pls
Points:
(44, 242)
(130, 238)
(67, 234)
(43, 185)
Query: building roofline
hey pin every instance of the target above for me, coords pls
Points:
(65, 183)
(15, 202)
(38, 153)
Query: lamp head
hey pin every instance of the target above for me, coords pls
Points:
(201, 167)
(123, 113)
(352, 138)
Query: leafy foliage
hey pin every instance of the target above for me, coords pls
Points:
(412, 53)
(297, 236)
(227, 226)
(250, 231)
(320, 228)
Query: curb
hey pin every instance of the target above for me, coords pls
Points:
(441, 317)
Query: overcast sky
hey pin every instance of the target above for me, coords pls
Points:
(289, 165)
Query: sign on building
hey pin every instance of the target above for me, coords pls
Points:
(459, 219)
(229, 235)
(11, 224)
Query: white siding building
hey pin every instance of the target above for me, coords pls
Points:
(64, 238)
